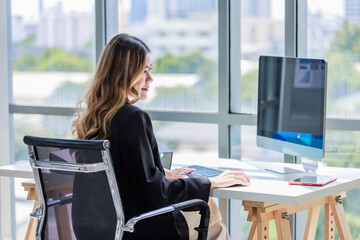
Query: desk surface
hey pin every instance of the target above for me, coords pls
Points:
(20, 169)
(265, 186)
(272, 187)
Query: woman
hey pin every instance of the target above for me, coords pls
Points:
(122, 78)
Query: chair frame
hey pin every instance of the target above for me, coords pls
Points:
(107, 166)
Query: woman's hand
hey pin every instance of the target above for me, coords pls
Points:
(177, 173)
(229, 178)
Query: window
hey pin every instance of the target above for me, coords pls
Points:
(188, 140)
(333, 34)
(243, 146)
(53, 51)
(185, 75)
(262, 33)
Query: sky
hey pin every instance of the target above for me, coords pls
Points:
(328, 7)
(333, 7)
(30, 8)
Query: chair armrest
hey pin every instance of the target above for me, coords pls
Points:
(203, 207)
(130, 224)
(193, 204)
(204, 212)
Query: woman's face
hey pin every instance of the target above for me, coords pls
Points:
(142, 87)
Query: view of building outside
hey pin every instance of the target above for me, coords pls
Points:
(183, 38)
(262, 33)
(53, 55)
(53, 51)
(333, 35)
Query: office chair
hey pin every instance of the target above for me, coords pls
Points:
(71, 174)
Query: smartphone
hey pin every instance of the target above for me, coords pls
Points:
(312, 180)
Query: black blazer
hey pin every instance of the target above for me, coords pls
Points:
(141, 179)
(142, 185)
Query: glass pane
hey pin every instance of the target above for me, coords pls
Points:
(53, 50)
(333, 30)
(188, 141)
(38, 125)
(182, 36)
(341, 148)
(262, 33)
(243, 146)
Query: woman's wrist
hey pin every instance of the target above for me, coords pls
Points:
(212, 183)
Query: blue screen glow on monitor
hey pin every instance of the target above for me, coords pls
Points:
(291, 105)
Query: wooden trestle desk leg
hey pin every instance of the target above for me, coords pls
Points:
(260, 222)
(261, 213)
(329, 223)
(32, 195)
(252, 218)
(339, 216)
(282, 225)
(312, 222)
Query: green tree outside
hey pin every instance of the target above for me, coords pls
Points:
(53, 59)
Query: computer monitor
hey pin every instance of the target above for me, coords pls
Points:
(291, 106)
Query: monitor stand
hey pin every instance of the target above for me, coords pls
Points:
(287, 170)
(310, 165)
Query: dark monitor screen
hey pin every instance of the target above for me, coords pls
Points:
(291, 105)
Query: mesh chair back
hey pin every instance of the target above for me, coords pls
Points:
(76, 187)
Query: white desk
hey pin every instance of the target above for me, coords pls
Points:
(19, 170)
(266, 187)
(269, 196)
(274, 188)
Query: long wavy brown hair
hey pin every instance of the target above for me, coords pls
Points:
(119, 68)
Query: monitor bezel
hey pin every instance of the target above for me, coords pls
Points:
(289, 148)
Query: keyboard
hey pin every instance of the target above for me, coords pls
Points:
(204, 172)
